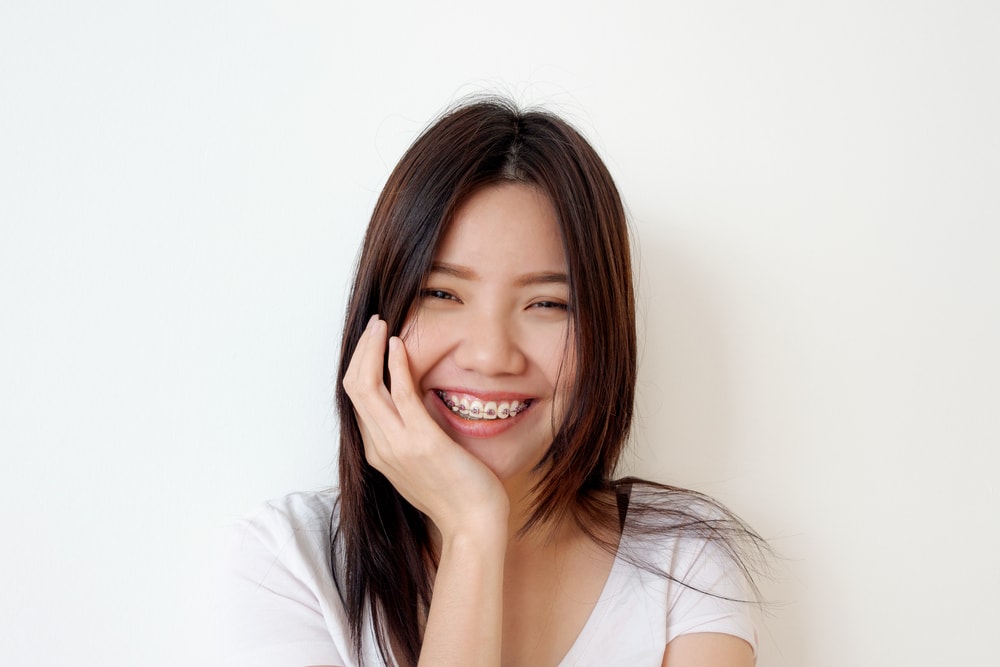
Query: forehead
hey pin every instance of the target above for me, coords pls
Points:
(502, 229)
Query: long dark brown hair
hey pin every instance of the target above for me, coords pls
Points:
(380, 544)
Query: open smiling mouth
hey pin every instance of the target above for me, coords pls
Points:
(475, 409)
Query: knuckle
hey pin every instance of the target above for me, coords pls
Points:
(356, 389)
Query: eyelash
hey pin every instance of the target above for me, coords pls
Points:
(437, 294)
(546, 305)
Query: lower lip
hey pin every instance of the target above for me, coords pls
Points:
(478, 428)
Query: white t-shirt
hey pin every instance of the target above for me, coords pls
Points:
(280, 606)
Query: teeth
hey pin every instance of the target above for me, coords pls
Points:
(475, 409)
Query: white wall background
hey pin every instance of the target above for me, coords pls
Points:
(814, 185)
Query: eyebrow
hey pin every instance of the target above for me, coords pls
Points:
(465, 273)
(542, 278)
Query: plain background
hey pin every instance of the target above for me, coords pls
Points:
(814, 193)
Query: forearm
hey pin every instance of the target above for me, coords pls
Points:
(465, 622)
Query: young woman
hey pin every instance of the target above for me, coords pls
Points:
(486, 391)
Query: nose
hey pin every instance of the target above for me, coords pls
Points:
(490, 346)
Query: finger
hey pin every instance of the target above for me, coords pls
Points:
(363, 380)
(365, 370)
(404, 394)
(353, 373)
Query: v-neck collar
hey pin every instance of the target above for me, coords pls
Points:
(613, 587)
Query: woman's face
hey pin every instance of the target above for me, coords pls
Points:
(487, 337)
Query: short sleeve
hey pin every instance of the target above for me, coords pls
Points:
(713, 597)
(275, 607)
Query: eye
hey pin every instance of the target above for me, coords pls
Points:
(553, 305)
(438, 294)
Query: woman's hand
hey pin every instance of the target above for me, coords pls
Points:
(456, 491)
(435, 474)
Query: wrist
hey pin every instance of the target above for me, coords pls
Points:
(484, 537)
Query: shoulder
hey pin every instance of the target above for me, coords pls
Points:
(660, 517)
(673, 504)
(294, 529)
(702, 554)
(295, 513)
(279, 601)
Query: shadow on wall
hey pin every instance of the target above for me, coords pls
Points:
(684, 410)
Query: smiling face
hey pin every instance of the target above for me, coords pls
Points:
(487, 336)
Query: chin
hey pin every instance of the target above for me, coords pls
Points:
(506, 465)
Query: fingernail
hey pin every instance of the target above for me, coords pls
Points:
(394, 344)
(372, 320)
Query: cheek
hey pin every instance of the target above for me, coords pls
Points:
(565, 370)
(564, 381)
(559, 354)
(421, 352)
